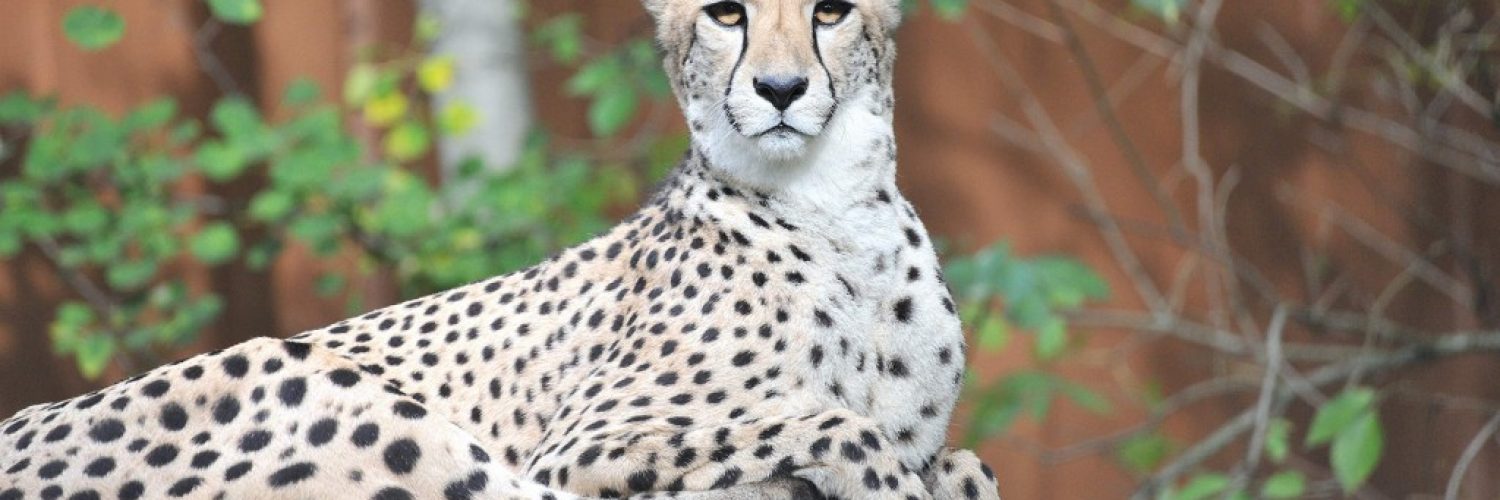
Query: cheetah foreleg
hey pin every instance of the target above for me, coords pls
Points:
(959, 474)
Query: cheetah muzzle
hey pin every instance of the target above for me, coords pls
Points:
(773, 323)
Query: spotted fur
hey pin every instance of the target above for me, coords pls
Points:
(773, 323)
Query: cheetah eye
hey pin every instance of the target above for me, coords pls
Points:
(726, 13)
(830, 12)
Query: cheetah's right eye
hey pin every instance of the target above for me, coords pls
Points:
(726, 13)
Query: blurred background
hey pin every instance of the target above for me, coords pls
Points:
(1205, 248)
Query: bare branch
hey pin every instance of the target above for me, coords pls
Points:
(1471, 452)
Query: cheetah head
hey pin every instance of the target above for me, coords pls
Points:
(775, 81)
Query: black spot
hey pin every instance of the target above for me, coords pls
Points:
(58, 433)
(132, 490)
(161, 455)
(322, 432)
(100, 467)
(642, 480)
(254, 441)
(226, 409)
(292, 474)
(410, 410)
(852, 452)
(292, 391)
(237, 471)
(392, 493)
(743, 358)
(236, 366)
(297, 350)
(52, 469)
(344, 377)
(898, 368)
(401, 456)
(823, 319)
(84, 495)
(173, 417)
(107, 430)
(365, 435)
(729, 478)
(204, 459)
(11, 494)
(903, 310)
(183, 487)
(156, 388)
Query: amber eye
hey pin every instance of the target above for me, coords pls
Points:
(726, 13)
(830, 12)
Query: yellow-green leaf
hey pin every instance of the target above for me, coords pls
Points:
(407, 141)
(436, 73)
(386, 109)
(458, 118)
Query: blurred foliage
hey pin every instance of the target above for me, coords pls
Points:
(118, 204)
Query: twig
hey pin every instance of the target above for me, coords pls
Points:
(1471, 452)
(1448, 345)
(1076, 169)
(1273, 362)
(1102, 104)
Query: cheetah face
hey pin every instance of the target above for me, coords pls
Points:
(766, 78)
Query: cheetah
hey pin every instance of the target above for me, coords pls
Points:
(772, 323)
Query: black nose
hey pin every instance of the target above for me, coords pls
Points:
(782, 91)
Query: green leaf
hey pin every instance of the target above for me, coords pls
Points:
(20, 107)
(1052, 339)
(595, 77)
(93, 354)
(238, 120)
(1356, 451)
(216, 243)
(329, 285)
(271, 206)
(1141, 454)
(1168, 10)
(1349, 10)
(1338, 414)
(237, 11)
(408, 141)
(302, 92)
(950, 9)
(221, 161)
(93, 28)
(994, 332)
(1278, 439)
(612, 109)
(563, 37)
(1287, 484)
(1203, 486)
(152, 115)
(129, 275)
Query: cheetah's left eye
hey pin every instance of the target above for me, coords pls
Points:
(830, 12)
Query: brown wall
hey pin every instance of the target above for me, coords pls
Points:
(971, 186)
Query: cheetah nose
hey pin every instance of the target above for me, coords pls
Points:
(782, 91)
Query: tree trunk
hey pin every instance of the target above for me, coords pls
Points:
(487, 42)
